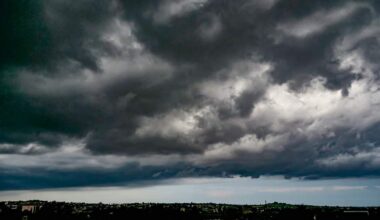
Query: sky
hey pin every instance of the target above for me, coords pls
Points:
(237, 190)
(226, 101)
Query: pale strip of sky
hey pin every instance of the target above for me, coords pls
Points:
(238, 190)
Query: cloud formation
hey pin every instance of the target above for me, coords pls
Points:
(145, 90)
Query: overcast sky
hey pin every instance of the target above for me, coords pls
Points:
(122, 93)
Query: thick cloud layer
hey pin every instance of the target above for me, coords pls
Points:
(119, 91)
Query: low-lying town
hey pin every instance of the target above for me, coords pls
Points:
(40, 210)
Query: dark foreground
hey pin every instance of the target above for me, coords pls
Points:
(33, 210)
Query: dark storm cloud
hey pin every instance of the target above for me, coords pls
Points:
(247, 87)
(127, 175)
(246, 30)
(22, 22)
(34, 38)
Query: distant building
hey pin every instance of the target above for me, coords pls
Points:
(28, 208)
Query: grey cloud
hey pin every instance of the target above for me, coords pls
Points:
(76, 28)
(171, 9)
(211, 28)
(321, 20)
(198, 88)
